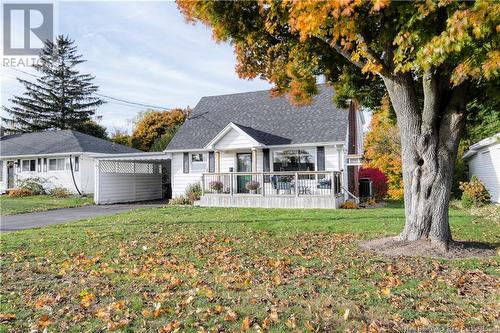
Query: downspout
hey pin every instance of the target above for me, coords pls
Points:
(73, 175)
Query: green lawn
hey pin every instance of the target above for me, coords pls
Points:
(37, 203)
(210, 269)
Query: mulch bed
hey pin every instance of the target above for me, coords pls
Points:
(392, 246)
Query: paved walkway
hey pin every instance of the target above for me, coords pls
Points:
(64, 215)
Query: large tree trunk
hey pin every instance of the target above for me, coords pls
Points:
(429, 141)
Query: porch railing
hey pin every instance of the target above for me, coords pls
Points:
(286, 183)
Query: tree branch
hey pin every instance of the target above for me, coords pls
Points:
(358, 63)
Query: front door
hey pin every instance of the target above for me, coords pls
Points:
(10, 174)
(243, 164)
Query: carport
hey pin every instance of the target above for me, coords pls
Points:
(132, 177)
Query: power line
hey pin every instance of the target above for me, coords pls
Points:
(134, 103)
(149, 106)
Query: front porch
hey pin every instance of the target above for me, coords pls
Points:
(301, 189)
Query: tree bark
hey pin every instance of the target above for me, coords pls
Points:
(429, 142)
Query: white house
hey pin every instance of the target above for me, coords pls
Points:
(252, 150)
(62, 158)
(483, 159)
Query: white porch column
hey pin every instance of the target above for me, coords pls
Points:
(254, 159)
(217, 161)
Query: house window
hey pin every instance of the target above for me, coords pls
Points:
(77, 163)
(44, 165)
(57, 164)
(1, 171)
(28, 165)
(294, 160)
(198, 162)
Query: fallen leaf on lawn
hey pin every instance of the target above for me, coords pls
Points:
(44, 321)
(421, 322)
(386, 291)
(274, 315)
(42, 300)
(102, 313)
(170, 327)
(266, 323)
(87, 299)
(309, 326)
(7, 316)
(113, 325)
(245, 325)
(118, 305)
(230, 316)
(458, 323)
(346, 314)
(290, 323)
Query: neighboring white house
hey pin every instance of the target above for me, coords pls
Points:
(293, 156)
(63, 158)
(483, 159)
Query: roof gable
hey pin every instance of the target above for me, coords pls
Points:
(233, 136)
(269, 120)
(58, 141)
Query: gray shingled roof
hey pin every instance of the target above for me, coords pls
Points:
(58, 141)
(269, 120)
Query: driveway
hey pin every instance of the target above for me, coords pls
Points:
(64, 215)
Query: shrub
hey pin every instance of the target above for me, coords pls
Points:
(34, 184)
(20, 192)
(379, 181)
(371, 202)
(193, 192)
(474, 193)
(252, 185)
(216, 185)
(349, 205)
(180, 200)
(60, 192)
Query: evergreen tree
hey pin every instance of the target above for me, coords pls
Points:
(61, 98)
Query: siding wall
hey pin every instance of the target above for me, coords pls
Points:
(3, 182)
(234, 140)
(181, 180)
(485, 165)
(84, 177)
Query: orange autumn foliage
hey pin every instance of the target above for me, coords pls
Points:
(383, 150)
(153, 124)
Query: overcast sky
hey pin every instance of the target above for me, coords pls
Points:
(143, 52)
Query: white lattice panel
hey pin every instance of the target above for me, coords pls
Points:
(116, 167)
(129, 167)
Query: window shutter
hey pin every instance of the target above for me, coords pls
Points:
(211, 161)
(265, 160)
(186, 163)
(320, 152)
(77, 163)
